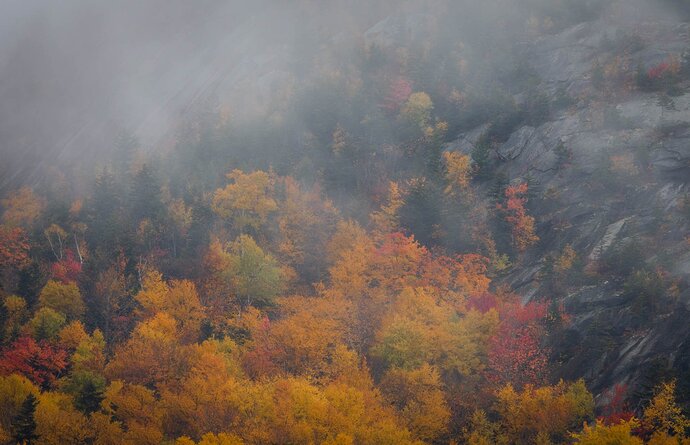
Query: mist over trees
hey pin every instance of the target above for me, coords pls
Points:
(297, 222)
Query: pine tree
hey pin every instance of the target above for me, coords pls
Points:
(481, 156)
(421, 213)
(104, 216)
(89, 398)
(30, 283)
(564, 156)
(145, 196)
(125, 148)
(24, 423)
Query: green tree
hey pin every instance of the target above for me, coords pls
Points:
(481, 157)
(417, 110)
(46, 324)
(421, 213)
(145, 196)
(24, 424)
(63, 298)
(104, 217)
(90, 395)
(256, 276)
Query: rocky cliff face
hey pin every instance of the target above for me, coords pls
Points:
(610, 173)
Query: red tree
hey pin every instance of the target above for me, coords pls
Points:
(40, 362)
(516, 354)
(483, 302)
(398, 92)
(14, 248)
(67, 269)
(617, 410)
(258, 361)
(658, 71)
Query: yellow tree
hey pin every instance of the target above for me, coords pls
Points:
(179, 300)
(90, 353)
(418, 396)
(458, 172)
(350, 250)
(620, 434)
(247, 201)
(57, 422)
(13, 391)
(421, 328)
(212, 439)
(306, 221)
(548, 412)
(308, 333)
(347, 233)
(137, 409)
(663, 413)
(386, 220)
(300, 412)
(152, 356)
(72, 335)
(22, 207)
(206, 398)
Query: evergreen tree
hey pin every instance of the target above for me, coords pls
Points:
(104, 216)
(30, 283)
(145, 196)
(198, 233)
(564, 156)
(500, 228)
(24, 423)
(481, 156)
(534, 193)
(497, 193)
(89, 397)
(421, 213)
(125, 147)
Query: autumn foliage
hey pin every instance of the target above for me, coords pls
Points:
(399, 91)
(335, 267)
(14, 247)
(521, 224)
(40, 362)
(68, 269)
(517, 353)
(296, 325)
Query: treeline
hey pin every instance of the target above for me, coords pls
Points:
(277, 321)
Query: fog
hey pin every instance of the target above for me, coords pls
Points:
(344, 221)
(76, 72)
(73, 74)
